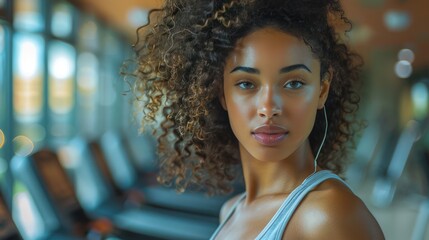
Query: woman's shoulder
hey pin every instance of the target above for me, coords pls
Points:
(333, 211)
(228, 206)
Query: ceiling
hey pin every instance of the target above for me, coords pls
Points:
(115, 12)
(368, 17)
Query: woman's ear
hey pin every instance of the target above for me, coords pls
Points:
(324, 88)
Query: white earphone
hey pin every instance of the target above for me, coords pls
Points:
(323, 140)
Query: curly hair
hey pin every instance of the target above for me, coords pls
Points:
(180, 56)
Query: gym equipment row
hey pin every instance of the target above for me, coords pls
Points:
(94, 190)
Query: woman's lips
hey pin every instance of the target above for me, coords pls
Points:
(269, 135)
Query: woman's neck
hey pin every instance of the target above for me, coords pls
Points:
(267, 178)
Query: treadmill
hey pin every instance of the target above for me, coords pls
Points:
(157, 222)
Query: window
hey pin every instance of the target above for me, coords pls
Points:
(28, 15)
(58, 78)
(110, 97)
(61, 90)
(5, 108)
(28, 84)
(88, 78)
(3, 83)
(62, 19)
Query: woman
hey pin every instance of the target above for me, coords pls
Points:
(265, 88)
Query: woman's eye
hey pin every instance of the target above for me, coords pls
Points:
(245, 85)
(294, 84)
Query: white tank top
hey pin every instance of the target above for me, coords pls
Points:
(277, 225)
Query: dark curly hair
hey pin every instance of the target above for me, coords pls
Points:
(180, 57)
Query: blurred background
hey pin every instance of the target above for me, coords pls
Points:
(73, 166)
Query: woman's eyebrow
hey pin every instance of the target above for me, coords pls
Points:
(294, 67)
(245, 69)
(283, 70)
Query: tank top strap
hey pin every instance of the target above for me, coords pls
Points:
(277, 225)
(228, 216)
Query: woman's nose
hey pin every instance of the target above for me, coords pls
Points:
(270, 104)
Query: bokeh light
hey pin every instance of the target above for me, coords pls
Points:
(2, 39)
(26, 215)
(22, 146)
(403, 69)
(28, 64)
(61, 61)
(397, 20)
(420, 98)
(406, 55)
(2, 139)
(137, 17)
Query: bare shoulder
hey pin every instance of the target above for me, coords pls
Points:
(227, 207)
(333, 211)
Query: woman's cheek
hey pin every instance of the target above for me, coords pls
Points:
(303, 109)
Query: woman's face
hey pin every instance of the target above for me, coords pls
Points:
(272, 90)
